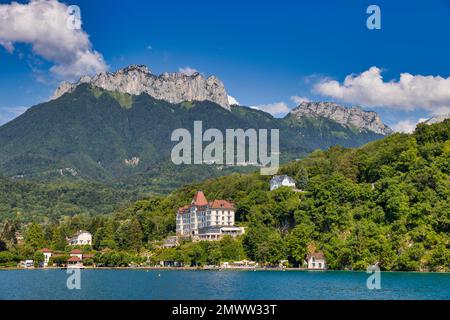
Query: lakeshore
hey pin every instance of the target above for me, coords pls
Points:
(155, 268)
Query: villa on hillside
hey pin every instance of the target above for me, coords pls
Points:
(281, 181)
(316, 261)
(81, 238)
(203, 220)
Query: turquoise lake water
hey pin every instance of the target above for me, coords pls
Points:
(203, 285)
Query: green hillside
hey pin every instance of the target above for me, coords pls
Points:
(28, 200)
(387, 202)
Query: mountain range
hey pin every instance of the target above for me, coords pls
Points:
(353, 117)
(171, 87)
(117, 126)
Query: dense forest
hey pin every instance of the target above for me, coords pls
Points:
(26, 200)
(387, 202)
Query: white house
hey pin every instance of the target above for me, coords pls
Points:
(81, 238)
(281, 181)
(203, 220)
(47, 255)
(316, 261)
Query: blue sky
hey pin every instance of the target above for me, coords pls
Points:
(265, 52)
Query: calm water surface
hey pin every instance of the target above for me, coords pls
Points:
(202, 285)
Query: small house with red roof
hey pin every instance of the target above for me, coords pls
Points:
(77, 257)
(207, 220)
(74, 262)
(76, 253)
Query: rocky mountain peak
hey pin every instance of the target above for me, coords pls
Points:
(135, 68)
(173, 87)
(349, 117)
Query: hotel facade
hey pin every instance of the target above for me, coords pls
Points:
(203, 220)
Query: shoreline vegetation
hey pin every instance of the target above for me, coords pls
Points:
(386, 204)
(212, 269)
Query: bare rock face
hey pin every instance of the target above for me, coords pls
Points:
(171, 87)
(438, 119)
(348, 117)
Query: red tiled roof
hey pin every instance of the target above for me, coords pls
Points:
(46, 250)
(199, 199)
(73, 259)
(75, 251)
(221, 204)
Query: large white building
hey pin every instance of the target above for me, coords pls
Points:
(81, 238)
(203, 220)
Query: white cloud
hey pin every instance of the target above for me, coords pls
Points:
(9, 113)
(232, 101)
(410, 92)
(276, 109)
(407, 126)
(7, 45)
(298, 99)
(44, 25)
(187, 70)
